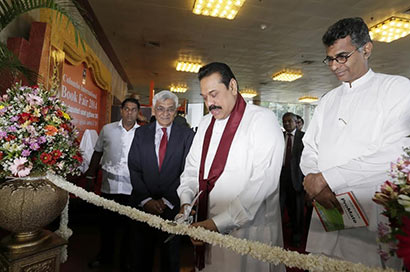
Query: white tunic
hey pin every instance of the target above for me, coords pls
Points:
(245, 200)
(354, 135)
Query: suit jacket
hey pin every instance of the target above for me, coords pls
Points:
(297, 148)
(146, 179)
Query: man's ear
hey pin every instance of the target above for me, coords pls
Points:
(367, 49)
(233, 85)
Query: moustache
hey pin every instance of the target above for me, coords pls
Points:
(214, 107)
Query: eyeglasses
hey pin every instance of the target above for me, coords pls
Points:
(168, 110)
(341, 59)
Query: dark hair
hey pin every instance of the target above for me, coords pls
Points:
(217, 67)
(300, 118)
(356, 28)
(291, 114)
(131, 100)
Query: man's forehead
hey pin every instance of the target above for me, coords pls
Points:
(130, 105)
(166, 102)
(343, 45)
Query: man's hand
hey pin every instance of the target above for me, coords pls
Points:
(327, 199)
(208, 224)
(314, 184)
(155, 206)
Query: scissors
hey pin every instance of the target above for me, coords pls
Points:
(185, 217)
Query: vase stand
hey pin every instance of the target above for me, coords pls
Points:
(42, 257)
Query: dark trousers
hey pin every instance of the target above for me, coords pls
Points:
(294, 202)
(144, 240)
(114, 226)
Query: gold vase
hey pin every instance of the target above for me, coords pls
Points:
(26, 206)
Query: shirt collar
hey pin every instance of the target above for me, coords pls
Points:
(158, 127)
(133, 128)
(360, 81)
(292, 132)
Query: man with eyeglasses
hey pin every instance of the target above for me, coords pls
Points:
(156, 161)
(112, 149)
(357, 129)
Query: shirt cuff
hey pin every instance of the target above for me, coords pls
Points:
(186, 197)
(144, 201)
(223, 222)
(334, 179)
(169, 204)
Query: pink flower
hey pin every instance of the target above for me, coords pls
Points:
(18, 168)
(34, 99)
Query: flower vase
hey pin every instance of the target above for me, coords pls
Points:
(26, 206)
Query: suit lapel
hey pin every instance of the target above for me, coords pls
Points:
(172, 142)
(151, 144)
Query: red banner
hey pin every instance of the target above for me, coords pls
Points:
(82, 97)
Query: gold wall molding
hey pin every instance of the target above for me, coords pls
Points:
(63, 38)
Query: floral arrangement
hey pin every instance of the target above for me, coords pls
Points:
(36, 134)
(394, 237)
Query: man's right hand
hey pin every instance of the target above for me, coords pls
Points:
(327, 199)
(155, 206)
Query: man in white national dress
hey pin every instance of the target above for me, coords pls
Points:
(235, 160)
(357, 129)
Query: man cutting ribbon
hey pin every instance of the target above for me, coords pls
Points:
(235, 159)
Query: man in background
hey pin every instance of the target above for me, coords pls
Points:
(299, 122)
(156, 161)
(292, 194)
(112, 149)
(357, 129)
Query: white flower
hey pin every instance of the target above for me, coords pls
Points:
(404, 200)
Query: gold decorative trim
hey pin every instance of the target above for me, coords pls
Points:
(62, 37)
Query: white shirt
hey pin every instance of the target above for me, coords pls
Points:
(115, 142)
(292, 139)
(158, 137)
(245, 199)
(355, 132)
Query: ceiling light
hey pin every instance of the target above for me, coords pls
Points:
(188, 67)
(308, 99)
(248, 93)
(287, 75)
(178, 89)
(390, 29)
(218, 8)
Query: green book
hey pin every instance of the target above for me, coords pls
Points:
(353, 215)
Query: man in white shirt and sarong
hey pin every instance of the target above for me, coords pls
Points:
(357, 129)
(235, 160)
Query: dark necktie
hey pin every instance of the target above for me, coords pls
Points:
(163, 147)
(288, 150)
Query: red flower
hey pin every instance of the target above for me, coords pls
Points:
(403, 248)
(78, 157)
(1, 155)
(56, 154)
(46, 158)
(23, 117)
(10, 138)
(59, 113)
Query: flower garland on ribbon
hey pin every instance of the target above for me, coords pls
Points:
(258, 250)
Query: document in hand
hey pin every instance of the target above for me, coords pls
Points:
(353, 216)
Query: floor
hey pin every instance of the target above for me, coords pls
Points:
(84, 243)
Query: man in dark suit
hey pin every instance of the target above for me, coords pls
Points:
(156, 161)
(292, 194)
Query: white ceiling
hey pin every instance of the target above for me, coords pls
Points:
(149, 36)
